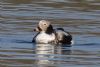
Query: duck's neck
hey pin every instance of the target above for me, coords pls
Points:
(49, 30)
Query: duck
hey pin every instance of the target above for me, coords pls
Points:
(47, 34)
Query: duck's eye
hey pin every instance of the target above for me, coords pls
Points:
(44, 24)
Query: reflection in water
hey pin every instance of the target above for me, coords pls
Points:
(49, 54)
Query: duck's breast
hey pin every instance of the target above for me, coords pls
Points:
(45, 38)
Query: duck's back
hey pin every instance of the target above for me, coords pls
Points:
(63, 36)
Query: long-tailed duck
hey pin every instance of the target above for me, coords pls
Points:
(46, 34)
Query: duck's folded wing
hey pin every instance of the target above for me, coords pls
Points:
(34, 38)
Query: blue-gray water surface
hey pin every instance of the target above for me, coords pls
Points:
(18, 18)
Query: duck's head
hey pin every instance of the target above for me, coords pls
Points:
(45, 26)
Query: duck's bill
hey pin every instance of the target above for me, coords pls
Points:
(37, 29)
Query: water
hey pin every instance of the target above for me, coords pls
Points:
(18, 18)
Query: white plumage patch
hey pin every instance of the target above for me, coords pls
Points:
(45, 38)
(72, 42)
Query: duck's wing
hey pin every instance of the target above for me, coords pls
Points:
(65, 32)
(63, 36)
(35, 37)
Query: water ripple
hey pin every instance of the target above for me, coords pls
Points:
(18, 18)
